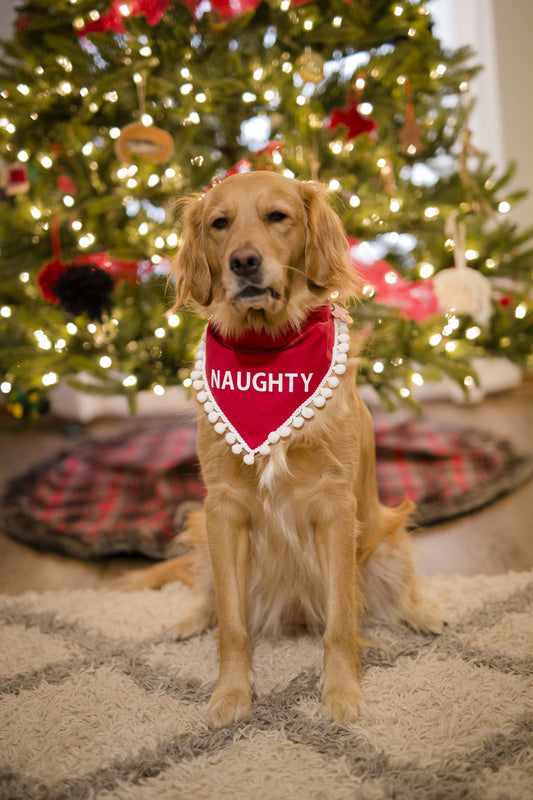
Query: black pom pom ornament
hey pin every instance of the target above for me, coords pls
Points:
(84, 289)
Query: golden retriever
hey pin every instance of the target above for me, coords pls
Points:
(297, 534)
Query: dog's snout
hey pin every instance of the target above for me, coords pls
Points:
(245, 261)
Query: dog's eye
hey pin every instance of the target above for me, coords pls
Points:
(220, 223)
(276, 216)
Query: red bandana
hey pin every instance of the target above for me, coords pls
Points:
(256, 388)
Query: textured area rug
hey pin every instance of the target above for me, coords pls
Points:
(98, 702)
(131, 493)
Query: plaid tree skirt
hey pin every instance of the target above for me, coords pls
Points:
(130, 494)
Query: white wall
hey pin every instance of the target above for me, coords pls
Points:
(501, 33)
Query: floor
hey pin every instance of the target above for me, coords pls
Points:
(493, 540)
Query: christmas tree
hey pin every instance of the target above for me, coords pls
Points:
(113, 109)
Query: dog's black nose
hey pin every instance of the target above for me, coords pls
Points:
(245, 261)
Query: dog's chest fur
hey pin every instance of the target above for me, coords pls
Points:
(284, 581)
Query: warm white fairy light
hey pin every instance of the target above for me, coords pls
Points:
(431, 212)
(366, 108)
(105, 362)
(201, 97)
(159, 242)
(391, 278)
(130, 380)
(42, 340)
(76, 225)
(471, 254)
(23, 155)
(91, 327)
(258, 73)
(435, 339)
(147, 120)
(277, 158)
(5, 312)
(49, 378)
(187, 383)
(172, 239)
(249, 97)
(504, 207)
(71, 328)
(404, 392)
(23, 89)
(417, 379)
(450, 347)
(35, 212)
(334, 185)
(145, 51)
(158, 389)
(160, 333)
(378, 367)
(395, 205)
(5, 387)
(24, 277)
(287, 67)
(131, 183)
(520, 311)
(355, 201)
(398, 11)
(337, 22)
(68, 200)
(46, 162)
(186, 88)
(426, 270)
(473, 332)
(170, 172)
(86, 241)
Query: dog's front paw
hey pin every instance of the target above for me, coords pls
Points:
(341, 704)
(229, 705)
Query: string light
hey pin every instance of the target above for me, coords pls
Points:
(105, 362)
(131, 380)
(158, 389)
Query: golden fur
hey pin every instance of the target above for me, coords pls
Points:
(300, 536)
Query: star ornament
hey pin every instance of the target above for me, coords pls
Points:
(350, 116)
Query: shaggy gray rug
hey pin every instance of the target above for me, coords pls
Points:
(98, 702)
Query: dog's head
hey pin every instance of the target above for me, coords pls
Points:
(259, 251)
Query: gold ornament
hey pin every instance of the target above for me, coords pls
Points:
(310, 66)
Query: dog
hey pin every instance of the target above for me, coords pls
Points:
(292, 530)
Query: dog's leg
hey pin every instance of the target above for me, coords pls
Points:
(336, 546)
(227, 532)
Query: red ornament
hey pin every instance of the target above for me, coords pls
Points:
(352, 119)
(53, 270)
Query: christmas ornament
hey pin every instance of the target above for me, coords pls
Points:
(119, 10)
(144, 141)
(462, 289)
(84, 289)
(54, 286)
(256, 389)
(310, 66)
(14, 179)
(27, 404)
(350, 116)
(410, 132)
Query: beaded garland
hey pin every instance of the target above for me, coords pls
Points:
(255, 390)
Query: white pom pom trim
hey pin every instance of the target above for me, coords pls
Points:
(299, 417)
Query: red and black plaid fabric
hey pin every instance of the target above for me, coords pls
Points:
(131, 493)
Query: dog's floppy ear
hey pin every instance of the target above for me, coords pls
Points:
(190, 267)
(327, 254)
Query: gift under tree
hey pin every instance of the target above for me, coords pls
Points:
(111, 110)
